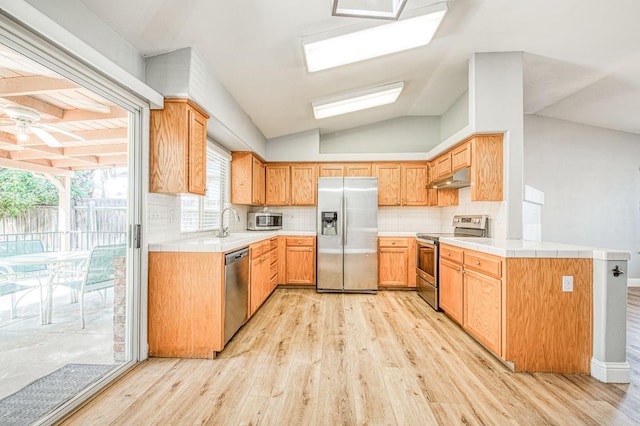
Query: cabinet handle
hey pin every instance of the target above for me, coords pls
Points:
(477, 262)
(393, 243)
(299, 242)
(398, 203)
(457, 269)
(448, 253)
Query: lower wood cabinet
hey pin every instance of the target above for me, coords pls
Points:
(483, 309)
(185, 304)
(516, 307)
(471, 289)
(450, 291)
(396, 262)
(260, 275)
(300, 260)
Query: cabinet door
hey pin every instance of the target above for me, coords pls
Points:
(197, 152)
(257, 192)
(393, 266)
(486, 168)
(304, 184)
(389, 183)
(276, 185)
(482, 309)
(331, 170)
(451, 290)
(357, 170)
(443, 165)
(255, 285)
(447, 197)
(300, 265)
(461, 157)
(414, 185)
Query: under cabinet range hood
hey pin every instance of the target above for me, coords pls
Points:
(460, 179)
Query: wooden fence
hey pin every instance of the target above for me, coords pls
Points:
(93, 222)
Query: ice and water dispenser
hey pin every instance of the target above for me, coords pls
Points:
(329, 223)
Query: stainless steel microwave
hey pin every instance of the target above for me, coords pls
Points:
(261, 221)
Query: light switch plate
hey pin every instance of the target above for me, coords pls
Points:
(567, 283)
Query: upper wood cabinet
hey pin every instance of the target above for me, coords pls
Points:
(247, 179)
(483, 154)
(344, 170)
(291, 184)
(277, 188)
(443, 165)
(461, 157)
(178, 148)
(402, 184)
(486, 168)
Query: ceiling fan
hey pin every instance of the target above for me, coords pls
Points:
(26, 120)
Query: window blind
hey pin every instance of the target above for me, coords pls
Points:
(203, 213)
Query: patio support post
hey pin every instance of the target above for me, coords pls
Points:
(63, 184)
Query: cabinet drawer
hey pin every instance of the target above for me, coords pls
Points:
(484, 263)
(453, 254)
(273, 243)
(274, 256)
(274, 271)
(392, 242)
(299, 241)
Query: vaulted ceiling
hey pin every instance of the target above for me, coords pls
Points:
(582, 57)
(92, 132)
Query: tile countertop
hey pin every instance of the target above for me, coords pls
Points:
(525, 248)
(502, 248)
(210, 243)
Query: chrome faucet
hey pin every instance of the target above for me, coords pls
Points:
(224, 232)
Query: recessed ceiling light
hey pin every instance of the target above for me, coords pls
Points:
(328, 50)
(380, 9)
(358, 100)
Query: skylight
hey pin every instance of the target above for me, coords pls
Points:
(356, 101)
(372, 42)
(379, 9)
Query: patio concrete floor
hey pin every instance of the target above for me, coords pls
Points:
(30, 350)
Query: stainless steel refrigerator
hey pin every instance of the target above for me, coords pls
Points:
(347, 234)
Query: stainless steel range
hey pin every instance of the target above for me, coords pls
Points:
(428, 255)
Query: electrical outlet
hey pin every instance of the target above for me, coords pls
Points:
(567, 283)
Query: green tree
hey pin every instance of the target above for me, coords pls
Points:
(22, 191)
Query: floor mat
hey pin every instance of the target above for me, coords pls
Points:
(49, 392)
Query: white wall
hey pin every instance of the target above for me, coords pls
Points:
(401, 134)
(496, 105)
(375, 142)
(183, 73)
(455, 118)
(75, 17)
(590, 178)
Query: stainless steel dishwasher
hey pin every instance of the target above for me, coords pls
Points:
(236, 291)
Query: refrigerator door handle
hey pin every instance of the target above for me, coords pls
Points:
(344, 214)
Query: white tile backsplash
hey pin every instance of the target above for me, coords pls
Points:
(163, 217)
(408, 219)
(496, 210)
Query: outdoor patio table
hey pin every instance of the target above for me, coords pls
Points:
(53, 259)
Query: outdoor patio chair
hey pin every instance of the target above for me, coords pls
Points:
(98, 274)
(9, 285)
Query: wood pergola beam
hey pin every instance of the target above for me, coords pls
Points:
(30, 167)
(80, 115)
(33, 84)
(42, 107)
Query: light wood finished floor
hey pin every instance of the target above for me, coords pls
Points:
(328, 359)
